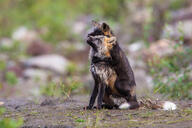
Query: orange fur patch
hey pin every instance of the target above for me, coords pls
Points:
(108, 46)
(107, 33)
(111, 83)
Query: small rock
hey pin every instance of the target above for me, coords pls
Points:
(4, 57)
(79, 27)
(181, 14)
(6, 43)
(144, 81)
(136, 46)
(15, 67)
(51, 62)
(38, 48)
(1, 103)
(142, 15)
(23, 34)
(67, 46)
(179, 29)
(47, 102)
(160, 49)
(35, 73)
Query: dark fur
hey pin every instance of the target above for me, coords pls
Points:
(118, 62)
(103, 74)
(125, 82)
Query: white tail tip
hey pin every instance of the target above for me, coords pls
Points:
(124, 106)
(169, 106)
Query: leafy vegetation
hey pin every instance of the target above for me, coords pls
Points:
(171, 75)
(2, 65)
(71, 68)
(15, 50)
(52, 17)
(60, 89)
(8, 122)
(11, 78)
(79, 120)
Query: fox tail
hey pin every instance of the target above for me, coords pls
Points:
(148, 103)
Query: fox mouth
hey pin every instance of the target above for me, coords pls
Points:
(89, 39)
(90, 42)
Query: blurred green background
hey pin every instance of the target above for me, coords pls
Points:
(43, 52)
(156, 36)
(54, 15)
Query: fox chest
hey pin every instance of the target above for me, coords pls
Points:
(105, 74)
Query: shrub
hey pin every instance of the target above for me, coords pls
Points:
(60, 89)
(52, 16)
(171, 75)
(11, 78)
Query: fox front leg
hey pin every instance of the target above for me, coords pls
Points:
(101, 95)
(93, 95)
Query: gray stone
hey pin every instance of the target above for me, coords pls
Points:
(51, 62)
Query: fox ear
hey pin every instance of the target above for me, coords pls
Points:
(96, 24)
(105, 27)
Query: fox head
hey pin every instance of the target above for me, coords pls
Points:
(103, 45)
(101, 39)
(101, 29)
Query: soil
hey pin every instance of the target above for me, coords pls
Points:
(69, 113)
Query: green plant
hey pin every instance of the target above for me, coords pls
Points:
(60, 89)
(53, 18)
(79, 120)
(71, 68)
(2, 65)
(2, 110)
(11, 78)
(54, 89)
(8, 122)
(15, 50)
(171, 75)
(177, 4)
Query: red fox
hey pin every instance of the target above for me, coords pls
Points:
(110, 69)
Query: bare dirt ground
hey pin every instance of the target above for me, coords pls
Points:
(69, 113)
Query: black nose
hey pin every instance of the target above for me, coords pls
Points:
(89, 39)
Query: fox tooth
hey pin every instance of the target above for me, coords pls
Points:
(124, 106)
(167, 105)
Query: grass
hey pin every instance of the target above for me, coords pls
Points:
(79, 120)
(75, 116)
(61, 89)
(11, 78)
(9, 122)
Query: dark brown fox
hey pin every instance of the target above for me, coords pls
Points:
(110, 68)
